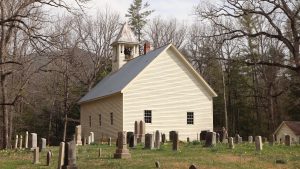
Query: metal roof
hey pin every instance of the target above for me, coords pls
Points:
(126, 35)
(115, 82)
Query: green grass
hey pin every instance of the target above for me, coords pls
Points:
(243, 156)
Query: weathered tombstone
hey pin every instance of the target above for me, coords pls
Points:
(250, 139)
(157, 140)
(78, 135)
(109, 141)
(122, 151)
(192, 167)
(136, 129)
(33, 141)
(203, 134)
(171, 135)
(272, 139)
(16, 141)
(26, 139)
(49, 156)
(157, 164)
(89, 140)
(36, 155)
(142, 132)
(84, 141)
(43, 144)
(61, 155)
(231, 142)
(238, 139)
(258, 143)
(70, 156)
(287, 140)
(217, 137)
(149, 144)
(132, 141)
(210, 140)
(188, 140)
(99, 152)
(163, 138)
(224, 135)
(21, 142)
(128, 136)
(92, 137)
(175, 141)
(264, 139)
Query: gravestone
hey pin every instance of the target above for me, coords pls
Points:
(89, 140)
(192, 167)
(210, 140)
(287, 140)
(272, 139)
(238, 139)
(43, 144)
(258, 143)
(188, 140)
(132, 141)
(122, 151)
(157, 164)
(49, 156)
(149, 143)
(250, 139)
(136, 129)
(78, 135)
(142, 132)
(109, 141)
(157, 140)
(61, 155)
(171, 135)
(99, 152)
(84, 141)
(217, 137)
(16, 141)
(175, 145)
(21, 142)
(70, 156)
(92, 137)
(224, 135)
(231, 142)
(163, 138)
(128, 136)
(203, 134)
(33, 141)
(264, 139)
(26, 139)
(36, 156)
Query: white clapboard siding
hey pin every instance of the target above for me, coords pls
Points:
(285, 130)
(168, 88)
(104, 107)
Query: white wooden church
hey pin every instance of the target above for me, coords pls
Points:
(160, 87)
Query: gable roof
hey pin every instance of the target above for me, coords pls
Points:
(293, 125)
(117, 81)
(126, 35)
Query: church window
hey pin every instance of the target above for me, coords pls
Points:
(148, 116)
(100, 120)
(190, 118)
(111, 118)
(90, 121)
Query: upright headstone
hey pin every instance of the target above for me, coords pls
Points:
(238, 139)
(157, 164)
(109, 141)
(163, 138)
(157, 140)
(231, 142)
(287, 140)
(33, 141)
(70, 156)
(132, 141)
(26, 139)
(192, 167)
(36, 156)
(149, 143)
(16, 141)
(224, 135)
(272, 139)
(128, 136)
(89, 140)
(122, 151)
(142, 132)
(264, 139)
(78, 135)
(250, 139)
(49, 156)
(21, 142)
(188, 140)
(217, 137)
(92, 137)
(61, 155)
(175, 146)
(43, 144)
(171, 135)
(136, 129)
(203, 134)
(210, 140)
(258, 143)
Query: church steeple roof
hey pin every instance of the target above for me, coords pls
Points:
(126, 35)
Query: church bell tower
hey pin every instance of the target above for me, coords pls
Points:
(125, 47)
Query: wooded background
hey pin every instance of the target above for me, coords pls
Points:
(248, 51)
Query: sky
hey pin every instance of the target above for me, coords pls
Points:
(180, 9)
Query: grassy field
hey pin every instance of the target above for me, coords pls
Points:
(243, 156)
